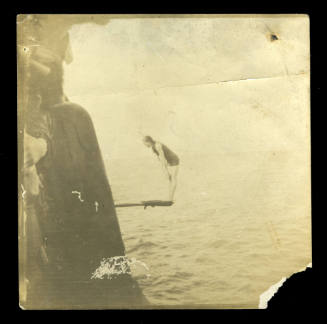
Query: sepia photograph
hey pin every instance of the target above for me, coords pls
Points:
(163, 160)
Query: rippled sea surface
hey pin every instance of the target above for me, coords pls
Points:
(240, 223)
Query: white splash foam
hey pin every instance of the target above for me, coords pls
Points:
(112, 267)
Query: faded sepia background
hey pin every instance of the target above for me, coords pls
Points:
(229, 95)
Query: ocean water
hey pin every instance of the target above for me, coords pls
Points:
(239, 224)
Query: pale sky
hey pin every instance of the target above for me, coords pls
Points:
(162, 77)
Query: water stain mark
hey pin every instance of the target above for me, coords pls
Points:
(23, 191)
(274, 235)
(79, 195)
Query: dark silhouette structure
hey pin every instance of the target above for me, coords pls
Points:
(69, 224)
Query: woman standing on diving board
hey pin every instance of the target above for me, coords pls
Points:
(169, 161)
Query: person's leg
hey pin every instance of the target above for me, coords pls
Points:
(173, 182)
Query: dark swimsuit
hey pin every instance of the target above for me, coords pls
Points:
(170, 156)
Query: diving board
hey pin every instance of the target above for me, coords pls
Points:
(147, 203)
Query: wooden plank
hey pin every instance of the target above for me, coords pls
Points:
(147, 203)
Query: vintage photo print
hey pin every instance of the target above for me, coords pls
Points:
(164, 160)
